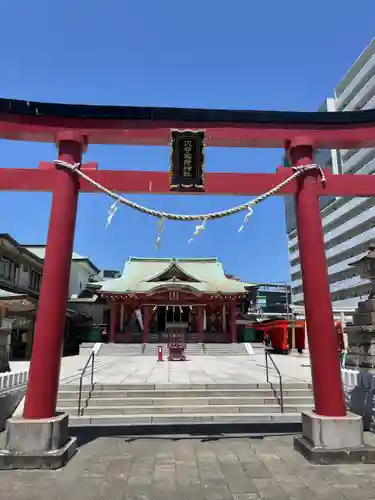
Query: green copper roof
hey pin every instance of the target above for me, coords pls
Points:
(142, 275)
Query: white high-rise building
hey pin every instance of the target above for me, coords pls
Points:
(348, 223)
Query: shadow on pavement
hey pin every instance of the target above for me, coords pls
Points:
(206, 432)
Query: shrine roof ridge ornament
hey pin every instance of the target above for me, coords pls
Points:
(42, 121)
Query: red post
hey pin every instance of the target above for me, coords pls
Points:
(232, 320)
(200, 319)
(146, 324)
(160, 353)
(325, 363)
(113, 323)
(42, 388)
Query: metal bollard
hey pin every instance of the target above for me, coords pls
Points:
(160, 353)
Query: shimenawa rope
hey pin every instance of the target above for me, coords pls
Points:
(203, 218)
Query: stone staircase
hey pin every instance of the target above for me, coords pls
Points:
(120, 350)
(192, 349)
(171, 405)
(151, 349)
(225, 350)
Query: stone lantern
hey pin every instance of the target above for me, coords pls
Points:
(361, 336)
(365, 267)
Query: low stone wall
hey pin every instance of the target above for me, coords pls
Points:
(12, 390)
(359, 388)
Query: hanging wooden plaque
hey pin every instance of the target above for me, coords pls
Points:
(187, 160)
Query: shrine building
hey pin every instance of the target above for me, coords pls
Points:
(156, 297)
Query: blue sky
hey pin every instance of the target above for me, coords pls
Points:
(214, 54)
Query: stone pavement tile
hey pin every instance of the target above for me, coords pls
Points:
(95, 468)
(256, 470)
(119, 468)
(87, 489)
(225, 456)
(138, 481)
(215, 485)
(333, 477)
(246, 496)
(298, 492)
(232, 470)
(188, 484)
(193, 492)
(241, 485)
(287, 479)
(115, 489)
(268, 489)
(291, 459)
(211, 476)
(187, 472)
(8, 489)
(351, 492)
(140, 496)
(275, 466)
(215, 495)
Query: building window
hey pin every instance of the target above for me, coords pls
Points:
(35, 280)
(8, 270)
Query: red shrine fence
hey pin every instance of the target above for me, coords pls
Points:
(74, 127)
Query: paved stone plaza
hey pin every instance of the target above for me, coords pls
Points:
(199, 370)
(227, 468)
(196, 370)
(152, 469)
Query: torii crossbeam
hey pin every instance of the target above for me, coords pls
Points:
(74, 127)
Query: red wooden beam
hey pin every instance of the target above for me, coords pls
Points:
(144, 182)
(124, 181)
(158, 133)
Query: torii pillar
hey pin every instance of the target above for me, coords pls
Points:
(41, 435)
(329, 430)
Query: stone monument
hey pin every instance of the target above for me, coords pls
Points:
(361, 335)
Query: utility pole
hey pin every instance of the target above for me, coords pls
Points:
(287, 301)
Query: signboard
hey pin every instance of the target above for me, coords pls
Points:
(262, 300)
(187, 160)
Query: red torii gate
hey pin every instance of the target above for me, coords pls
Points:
(73, 127)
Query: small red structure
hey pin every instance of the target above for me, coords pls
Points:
(340, 336)
(283, 334)
(176, 347)
(72, 128)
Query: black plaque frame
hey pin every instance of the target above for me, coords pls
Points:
(187, 176)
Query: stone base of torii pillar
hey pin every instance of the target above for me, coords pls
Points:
(37, 443)
(333, 440)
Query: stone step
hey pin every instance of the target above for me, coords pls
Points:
(72, 394)
(134, 420)
(74, 387)
(185, 401)
(120, 350)
(190, 393)
(176, 410)
(183, 387)
(227, 348)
